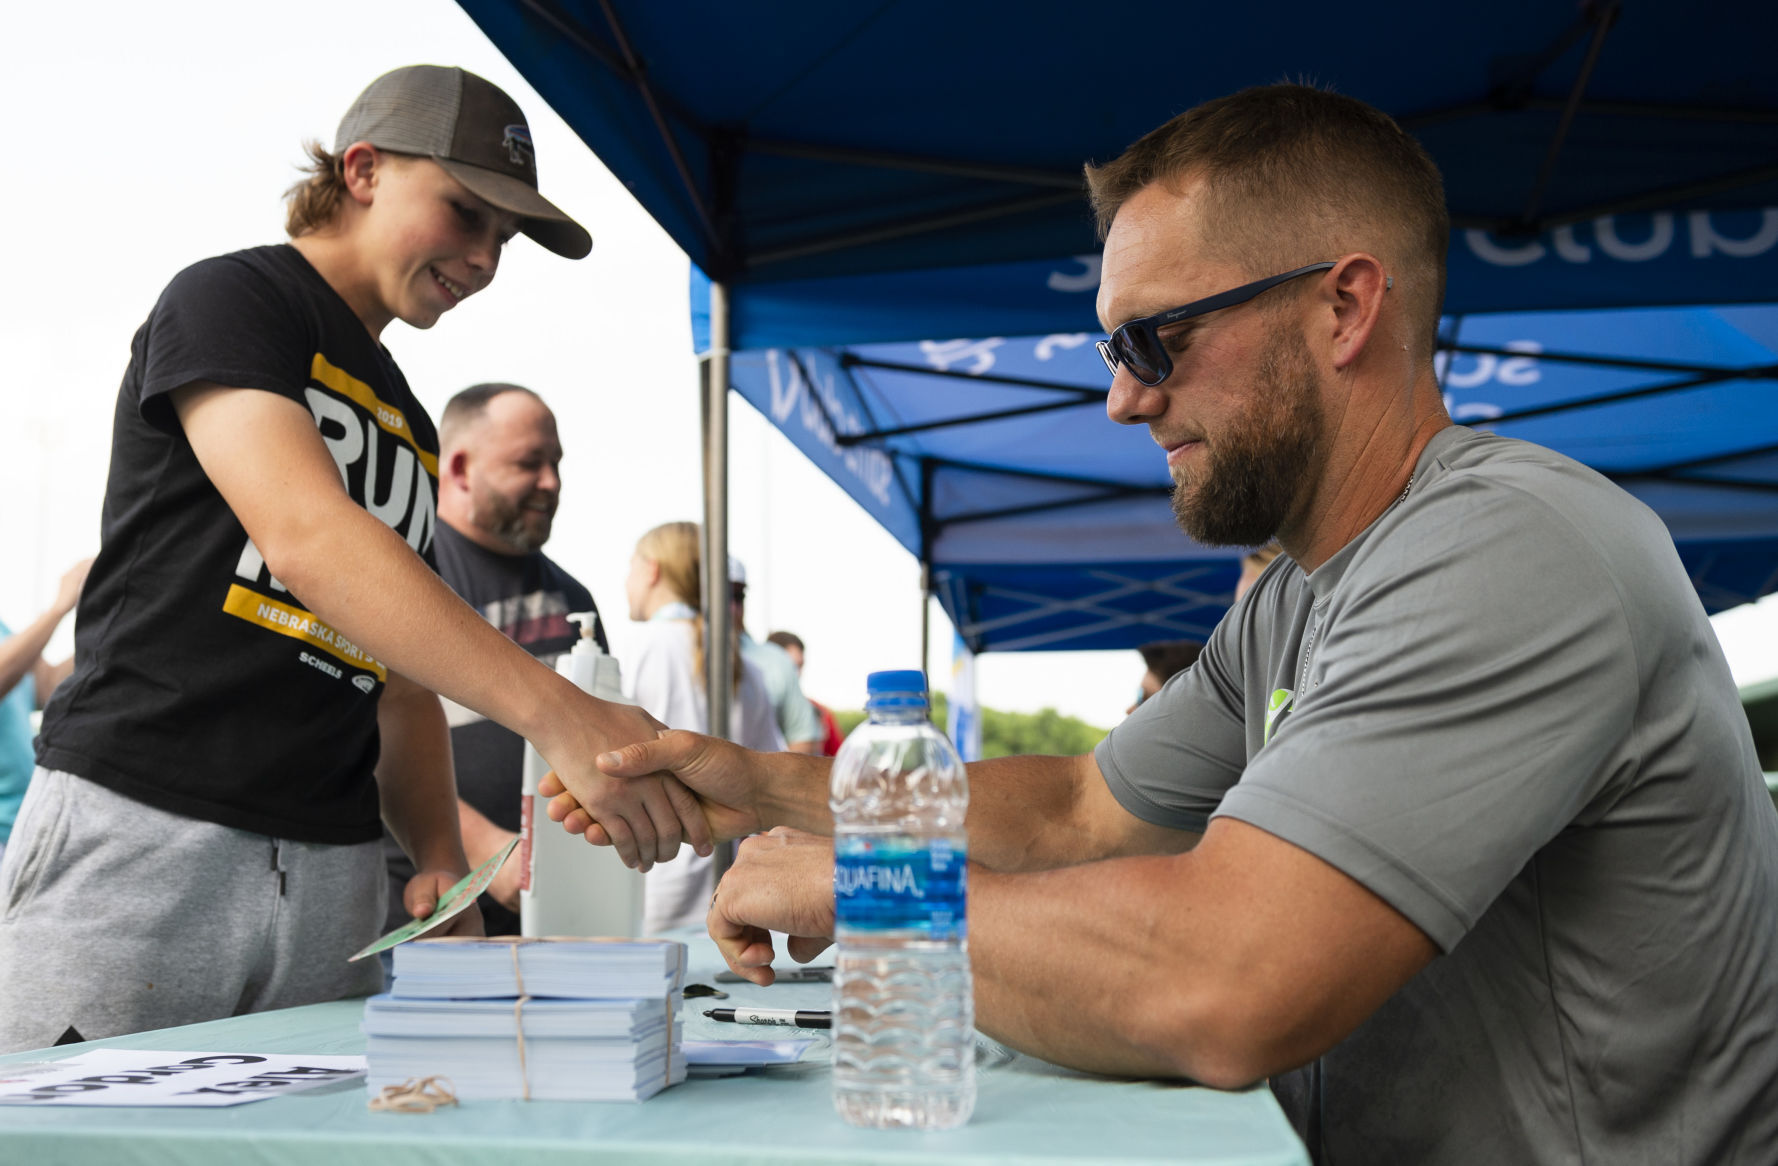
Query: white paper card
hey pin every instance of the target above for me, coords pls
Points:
(145, 1077)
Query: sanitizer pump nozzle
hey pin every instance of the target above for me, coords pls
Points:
(588, 665)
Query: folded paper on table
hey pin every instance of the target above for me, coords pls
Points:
(731, 1058)
(138, 1077)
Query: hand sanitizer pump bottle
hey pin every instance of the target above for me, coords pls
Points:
(568, 886)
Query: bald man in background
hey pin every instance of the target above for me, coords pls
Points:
(499, 482)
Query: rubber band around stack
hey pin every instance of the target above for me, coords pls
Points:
(415, 1095)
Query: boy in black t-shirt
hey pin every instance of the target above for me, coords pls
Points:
(258, 645)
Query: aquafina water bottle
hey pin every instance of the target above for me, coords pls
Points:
(904, 1007)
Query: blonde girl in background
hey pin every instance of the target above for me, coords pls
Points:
(665, 676)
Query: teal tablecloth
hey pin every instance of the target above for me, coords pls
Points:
(1027, 1112)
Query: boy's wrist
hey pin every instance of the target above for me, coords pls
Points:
(551, 711)
(443, 854)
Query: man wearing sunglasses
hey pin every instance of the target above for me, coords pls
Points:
(1455, 828)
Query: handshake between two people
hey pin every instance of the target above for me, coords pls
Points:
(702, 790)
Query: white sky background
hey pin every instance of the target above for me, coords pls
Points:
(149, 136)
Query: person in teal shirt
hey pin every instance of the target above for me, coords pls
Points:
(26, 680)
(15, 746)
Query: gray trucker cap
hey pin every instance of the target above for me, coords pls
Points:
(472, 129)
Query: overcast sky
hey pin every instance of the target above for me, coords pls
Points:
(155, 135)
(149, 136)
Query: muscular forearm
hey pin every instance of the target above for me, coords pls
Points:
(415, 779)
(791, 789)
(1025, 813)
(1033, 813)
(1072, 966)
(1240, 959)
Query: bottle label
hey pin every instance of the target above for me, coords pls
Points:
(901, 884)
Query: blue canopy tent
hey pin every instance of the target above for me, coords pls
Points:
(1048, 527)
(855, 175)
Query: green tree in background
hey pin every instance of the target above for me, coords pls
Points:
(1010, 734)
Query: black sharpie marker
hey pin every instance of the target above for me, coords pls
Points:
(788, 1017)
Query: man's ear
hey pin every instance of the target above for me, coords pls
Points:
(358, 167)
(456, 467)
(1357, 287)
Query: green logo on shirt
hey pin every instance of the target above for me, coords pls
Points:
(1275, 708)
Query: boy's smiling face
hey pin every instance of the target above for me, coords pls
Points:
(428, 242)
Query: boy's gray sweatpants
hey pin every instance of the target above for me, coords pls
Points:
(116, 917)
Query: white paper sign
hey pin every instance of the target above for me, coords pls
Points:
(142, 1077)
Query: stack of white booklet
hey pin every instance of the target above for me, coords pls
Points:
(549, 1019)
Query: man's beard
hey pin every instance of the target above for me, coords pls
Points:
(1255, 471)
(510, 522)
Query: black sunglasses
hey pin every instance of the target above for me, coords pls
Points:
(1137, 345)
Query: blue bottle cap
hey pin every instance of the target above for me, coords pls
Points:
(905, 680)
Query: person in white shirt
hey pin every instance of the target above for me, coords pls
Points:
(665, 676)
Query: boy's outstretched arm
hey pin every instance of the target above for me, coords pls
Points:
(266, 457)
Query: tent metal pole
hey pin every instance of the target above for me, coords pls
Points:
(718, 666)
(916, 226)
(928, 536)
(639, 79)
(1058, 179)
(851, 439)
(926, 622)
(851, 360)
(1605, 16)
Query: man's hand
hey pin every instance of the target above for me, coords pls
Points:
(781, 881)
(421, 897)
(643, 813)
(719, 772)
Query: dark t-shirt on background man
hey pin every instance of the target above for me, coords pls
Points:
(528, 597)
(201, 685)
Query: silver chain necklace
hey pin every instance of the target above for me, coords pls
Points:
(1302, 679)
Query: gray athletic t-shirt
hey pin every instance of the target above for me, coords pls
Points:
(1502, 709)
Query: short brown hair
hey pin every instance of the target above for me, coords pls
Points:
(1167, 657)
(313, 202)
(1296, 175)
(787, 641)
(467, 407)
